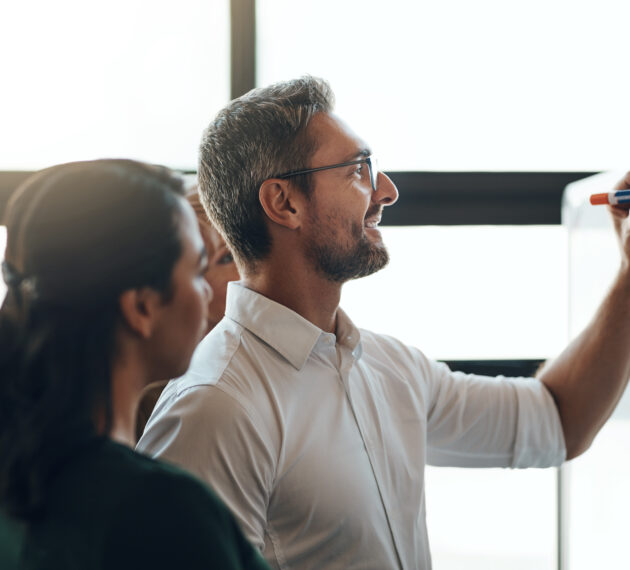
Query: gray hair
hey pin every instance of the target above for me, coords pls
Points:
(257, 136)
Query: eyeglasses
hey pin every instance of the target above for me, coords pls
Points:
(369, 160)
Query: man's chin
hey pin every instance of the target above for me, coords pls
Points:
(368, 257)
(377, 260)
(373, 234)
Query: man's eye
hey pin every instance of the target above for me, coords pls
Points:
(359, 169)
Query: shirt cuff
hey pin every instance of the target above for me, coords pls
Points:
(539, 436)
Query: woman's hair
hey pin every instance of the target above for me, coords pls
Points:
(78, 235)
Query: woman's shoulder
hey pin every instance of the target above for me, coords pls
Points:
(107, 480)
(156, 481)
(167, 517)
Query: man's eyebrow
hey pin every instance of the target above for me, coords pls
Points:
(363, 152)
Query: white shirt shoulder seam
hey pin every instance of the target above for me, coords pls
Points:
(219, 376)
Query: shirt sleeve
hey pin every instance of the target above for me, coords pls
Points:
(171, 522)
(209, 433)
(477, 421)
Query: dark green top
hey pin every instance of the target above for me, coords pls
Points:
(111, 508)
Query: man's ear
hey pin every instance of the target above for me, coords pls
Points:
(282, 203)
(139, 310)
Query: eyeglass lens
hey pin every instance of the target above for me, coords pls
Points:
(373, 164)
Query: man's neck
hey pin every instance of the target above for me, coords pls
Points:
(309, 294)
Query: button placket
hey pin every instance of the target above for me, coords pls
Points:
(344, 375)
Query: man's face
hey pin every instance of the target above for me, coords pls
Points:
(341, 235)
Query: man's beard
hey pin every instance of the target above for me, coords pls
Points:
(340, 264)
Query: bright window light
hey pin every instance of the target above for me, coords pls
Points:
(123, 78)
(460, 85)
(468, 292)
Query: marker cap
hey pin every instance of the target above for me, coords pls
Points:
(598, 199)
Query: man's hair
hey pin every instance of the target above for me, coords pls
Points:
(257, 136)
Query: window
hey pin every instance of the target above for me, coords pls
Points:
(459, 85)
(118, 79)
(468, 292)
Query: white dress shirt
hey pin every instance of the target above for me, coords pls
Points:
(318, 442)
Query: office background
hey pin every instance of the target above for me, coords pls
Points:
(482, 112)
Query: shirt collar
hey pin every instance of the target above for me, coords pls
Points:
(281, 328)
(348, 334)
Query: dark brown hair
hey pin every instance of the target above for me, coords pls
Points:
(78, 235)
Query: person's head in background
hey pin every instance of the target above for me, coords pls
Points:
(221, 270)
(221, 266)
(98, 306)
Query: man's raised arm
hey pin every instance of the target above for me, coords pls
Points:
(589, 377)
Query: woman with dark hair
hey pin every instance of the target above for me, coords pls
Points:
(104, 267)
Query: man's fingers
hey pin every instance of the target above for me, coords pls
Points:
(624, 183)
(619, 211)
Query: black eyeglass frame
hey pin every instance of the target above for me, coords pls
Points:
(369, 160)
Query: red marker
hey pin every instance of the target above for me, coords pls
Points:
(612, 198)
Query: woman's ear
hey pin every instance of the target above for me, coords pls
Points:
(282, 203)
(139, 310)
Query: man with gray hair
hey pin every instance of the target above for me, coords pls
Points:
(316, 433)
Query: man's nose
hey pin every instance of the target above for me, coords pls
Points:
(386, 191)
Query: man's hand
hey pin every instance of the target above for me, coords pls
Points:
(622, 223)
